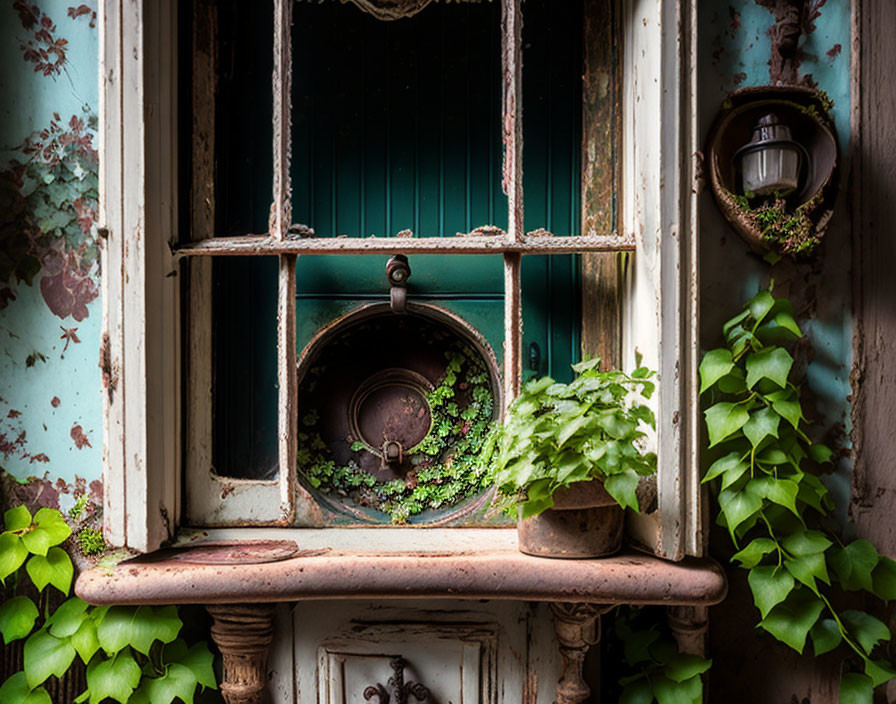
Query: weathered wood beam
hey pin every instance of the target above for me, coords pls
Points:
(261, 245)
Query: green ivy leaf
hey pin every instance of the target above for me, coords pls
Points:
(198, 658)
(738, 506)
(46, 655)
(806, 542)
(854, 565)
(784, 319)
(637, 646)
(17, 617)
(624, 487)
(734, 322)
(879, 671)
(684, 666)
(791, 621)
(808, 568)
(821, 453)
(856, 688)
(779, 491)
(177, 683)
(12, 554)
(884, 579)
(752, 555)
(55, 568)
(17, 518)
(762, 424)
(868, 630)
(770, 587)
(723, 420)
(84, 640)
(714, 365)
(790, 410)
(773, 364)
(825, 636)
(729, 464)
(638, 692)
(670, 692)
(50, 529)
(138, 627)
(760, 305)
(115, 678)
(68, 618)
(15, 690)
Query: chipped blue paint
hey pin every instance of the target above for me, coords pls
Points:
(49, 390)
(734, 50)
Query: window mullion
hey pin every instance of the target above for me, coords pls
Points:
(512, 107)
(278, 228)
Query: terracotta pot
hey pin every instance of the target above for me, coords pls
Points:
(585, 521)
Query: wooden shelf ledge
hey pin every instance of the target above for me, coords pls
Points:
(389, 564)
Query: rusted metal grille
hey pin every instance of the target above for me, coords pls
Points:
(287, 240)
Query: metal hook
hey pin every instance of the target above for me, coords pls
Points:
(398, 271)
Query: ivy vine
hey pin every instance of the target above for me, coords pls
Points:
(133, 653)
(446, 466)
(651, 669)
(775, 507)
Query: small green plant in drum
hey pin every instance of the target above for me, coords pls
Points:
(558, 434)
(446, 467)
(775, 508)
(133, 654)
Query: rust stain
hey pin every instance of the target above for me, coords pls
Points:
(110, 376)
(80, 438)
(55, 402)
(793, 18)
(834, 51)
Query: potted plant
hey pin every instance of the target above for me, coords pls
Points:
(569, 458)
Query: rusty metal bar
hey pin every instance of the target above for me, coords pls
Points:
(513, 328)
(256, 245)
(511, 64)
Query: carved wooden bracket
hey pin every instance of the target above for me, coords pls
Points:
(578, 628)
(243, 634)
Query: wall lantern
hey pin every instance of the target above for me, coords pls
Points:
(771, 162)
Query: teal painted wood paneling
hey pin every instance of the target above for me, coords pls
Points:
(397, 126)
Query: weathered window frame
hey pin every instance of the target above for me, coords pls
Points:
(143, 360)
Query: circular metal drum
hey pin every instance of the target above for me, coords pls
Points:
(393, 412)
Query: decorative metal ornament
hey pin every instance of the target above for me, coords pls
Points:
(399, 691)
(392, 9)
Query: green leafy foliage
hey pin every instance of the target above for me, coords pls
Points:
(133, 654)
(650, 666)
(91, 541)
(446, 465)
(558, 434)
(772, 502)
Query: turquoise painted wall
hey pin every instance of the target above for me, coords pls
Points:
(50, 405)
(734, 50)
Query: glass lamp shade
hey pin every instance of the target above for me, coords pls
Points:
(771, 162)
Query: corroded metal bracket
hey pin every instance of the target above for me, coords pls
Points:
(243, 634)
(398, 271)
(399, 691)
(578, 628)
